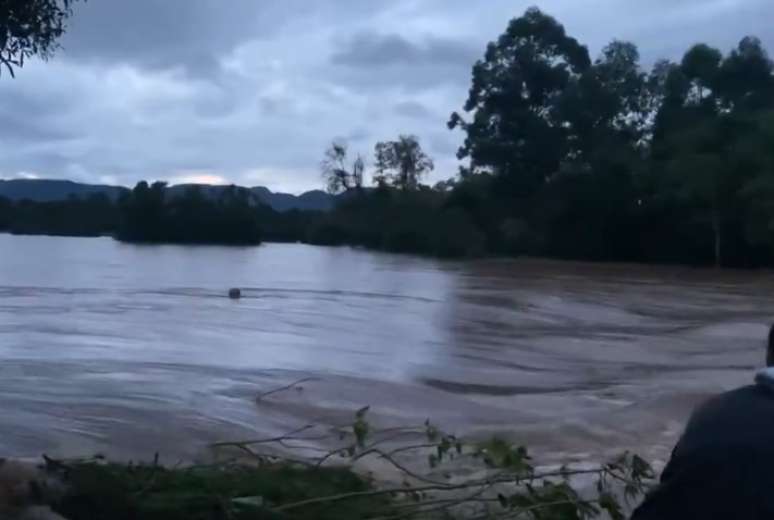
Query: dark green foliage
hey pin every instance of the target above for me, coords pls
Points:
(288, 226)
(402, 163)
(745, 78)
(604, 161)
(148, 215)
(517, 130)
(93, 216)
(147, 492)
(151, 214)
(506, 484)
(402, 222)
(7, 213)
(30, 28)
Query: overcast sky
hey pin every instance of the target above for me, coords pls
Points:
(251, 91)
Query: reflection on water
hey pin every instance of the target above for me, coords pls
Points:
(133, 349)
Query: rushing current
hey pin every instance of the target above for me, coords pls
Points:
(136, 349)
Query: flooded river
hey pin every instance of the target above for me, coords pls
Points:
(131, 350)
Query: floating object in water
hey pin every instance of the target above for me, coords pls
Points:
(234, 293)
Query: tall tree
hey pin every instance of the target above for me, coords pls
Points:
(143, 212)
(401, 163)
(701, 66)
(745, 80)
(605, 107)
(338, 174)
(622, 80)
(515, 130)
(30, 28)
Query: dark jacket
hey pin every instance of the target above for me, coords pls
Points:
(723, 465)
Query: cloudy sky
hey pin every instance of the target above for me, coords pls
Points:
(251, 91)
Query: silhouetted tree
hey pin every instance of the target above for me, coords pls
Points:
(401, 163)
(338, 175)
(194, 217)
(607, 161)
(515, 130)
(701, 66)
(30, 28)
(745, 80)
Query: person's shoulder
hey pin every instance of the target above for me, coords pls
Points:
(743, 393)
(728, 398)
(731, 400)
(746, 391)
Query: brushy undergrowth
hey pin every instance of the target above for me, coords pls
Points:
(100, 491)
(505, 484)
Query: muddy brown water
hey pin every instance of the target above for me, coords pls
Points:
(131, 350)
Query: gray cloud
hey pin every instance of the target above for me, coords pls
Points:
(370, 50)
(159, 33)
(412, 109)
(29, 118)
(252, 91)
(384, 60)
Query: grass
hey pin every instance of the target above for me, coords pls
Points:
(148, 492)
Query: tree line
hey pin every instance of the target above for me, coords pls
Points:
(564, 156)
(151, 213)
(603, 159)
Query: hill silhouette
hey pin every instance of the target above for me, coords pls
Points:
(52, 190)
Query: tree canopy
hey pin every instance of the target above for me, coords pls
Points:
(340, 176)
(150, 215)
(30, 28)
(604, 160)
(516, 129)
(401, 163)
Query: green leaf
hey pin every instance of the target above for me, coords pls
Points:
(631, 492)
(641, 469)
(361, 427)
(501, 454)
(521, 501)
(611, 506)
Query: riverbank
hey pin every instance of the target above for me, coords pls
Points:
(97, 489)
(459, 480)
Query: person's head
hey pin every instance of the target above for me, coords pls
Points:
(770, 348)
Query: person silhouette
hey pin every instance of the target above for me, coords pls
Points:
(723, 465)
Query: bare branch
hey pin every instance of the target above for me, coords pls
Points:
(286, 387)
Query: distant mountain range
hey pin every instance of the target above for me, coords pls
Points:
(43, 190)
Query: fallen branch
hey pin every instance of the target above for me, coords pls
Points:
(286, 387)
(516, 487)
(286, 437)
(370, 493)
